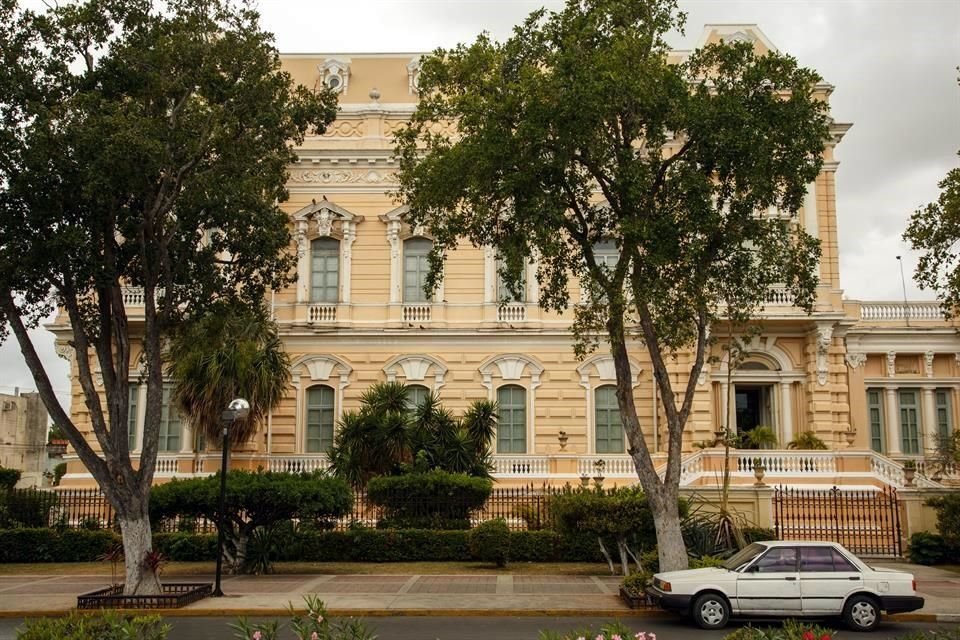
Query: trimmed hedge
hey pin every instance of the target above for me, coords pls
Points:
(186, 547)
(490, 542)
(52, 545)
(431, 500)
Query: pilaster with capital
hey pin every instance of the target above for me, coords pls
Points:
(396, 267)
(928, 363)
(824, 340)
(303, 262)
(891, 364)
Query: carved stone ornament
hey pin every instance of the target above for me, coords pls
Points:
(344, 176)
(65, 351)
(413, 76)
(824, 340)
(928, 363)
(856, 360)
(891, 364)
(335, 74)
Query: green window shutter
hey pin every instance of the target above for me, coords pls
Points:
(169, 423)
(416, 394)
(609, 429)
(944, 414)
(512, 423)
(909, 422)
(132, 417)
(320, 418)
(325, 270)
(875, 415)
(416, 265)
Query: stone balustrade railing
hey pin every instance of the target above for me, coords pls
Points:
(321, 313)
(900, 312)
(305, 463)
(520, 466)
(417, 312)
(515, 312)
(779, 296)
(785, 462)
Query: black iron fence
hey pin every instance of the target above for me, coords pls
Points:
(521, 507)
(865, 522)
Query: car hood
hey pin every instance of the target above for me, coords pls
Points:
(705, 574)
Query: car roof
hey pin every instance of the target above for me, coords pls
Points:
(794, 543)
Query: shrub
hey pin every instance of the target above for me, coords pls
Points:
(53, 545)
(9, 478)
(926, 548)
(808, 441)
(315, 624)
(490, 542)
(706, 561)
(608, 631)
(58, 472)
(756, 534)
(186, 547)
(102, 626)
(791, 630)
(948, 523)
(26, 508)
(636, 583)
(431, 500)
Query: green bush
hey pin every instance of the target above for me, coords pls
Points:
(791, 630)
(706, 561)
(948, 523)
(27, 508)
(431, 500)
(490, 542)
(9, 478)
(636, 583)
(186, 547)
(58, 472)
(926, 548)
(101, 626)
(757, 534)
(53, 545)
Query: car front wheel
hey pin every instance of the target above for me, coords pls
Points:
(711, 611)
(862, 613)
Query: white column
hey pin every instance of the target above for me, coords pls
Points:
(186, 436)
(786, 413)
(892, 423)
(724, 409)
(303, 263)
(928, 421)
(346, 256)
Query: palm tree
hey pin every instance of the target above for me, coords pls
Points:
(231, 352)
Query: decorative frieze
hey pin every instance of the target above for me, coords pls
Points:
(343, 176)
(891, 364)
(928, 363)
(855, 360)
(824, 340)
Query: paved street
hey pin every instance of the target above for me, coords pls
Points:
(484, 628)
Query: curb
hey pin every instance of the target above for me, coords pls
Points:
(364, 613)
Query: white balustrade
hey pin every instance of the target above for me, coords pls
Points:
(931, 469)
(167, 466)
(786, 462)
(514, 466)
(299, 464)
(614, 466)
(898, 311)
(512, 313)
(779, 296)
(322, 313)
(417, 312)
(691, 468)
(132, 296)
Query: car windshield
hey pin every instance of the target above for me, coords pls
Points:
(744, 556)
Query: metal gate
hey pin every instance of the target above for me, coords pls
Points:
(865, 522)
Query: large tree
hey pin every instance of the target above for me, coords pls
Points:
(141, 146)
(934, 230)
(579, 131)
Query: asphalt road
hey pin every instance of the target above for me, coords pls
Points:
(489, 628)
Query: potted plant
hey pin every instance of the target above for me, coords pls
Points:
(562, 437)
(760, 437)
(633, 589)
(758, 471)
(598, 467)
(850, 435)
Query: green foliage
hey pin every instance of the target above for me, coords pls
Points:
(253, 500)
(948, 524)
(807, 441)
(618, 513)
(585, 99)
(386, 436)
(761, 437)
(490, 542)
(932, 634)
(58, 472)
(314, 624)
(234, 351)
(946, 453)
(26, 508)
(186, 547)
(637, 582)
(608, 631)
(791, 630)
(54, 545)
(926, 548)
(108, 625)
(706, 561)
(9, 478)
(757, 534)
(434, 499)
(933, 232)
(717, 533)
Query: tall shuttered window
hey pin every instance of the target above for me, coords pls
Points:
(325, 270)
(416, 265)
(503, 291)
(909, 421)
(320, 416)
(875, 416)
(132, 417)
(512, 419)
(609, 430)
(170, 425)
(944, 415)
(416, 394)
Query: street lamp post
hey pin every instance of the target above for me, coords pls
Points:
(237, 410)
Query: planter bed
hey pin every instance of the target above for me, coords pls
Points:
(642, 601)
(174, 596)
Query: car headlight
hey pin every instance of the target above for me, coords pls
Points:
(661, 584)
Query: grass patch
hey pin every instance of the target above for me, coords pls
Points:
(328, 568)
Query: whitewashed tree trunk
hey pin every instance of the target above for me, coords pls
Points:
(137, 543)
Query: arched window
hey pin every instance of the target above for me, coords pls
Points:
(512, 419)
(416, 394)
(320, 416)
(325, 270)
(609, 429)
(415, 267)
(606, 253)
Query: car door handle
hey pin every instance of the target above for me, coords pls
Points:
(853, 578)
(790, 578)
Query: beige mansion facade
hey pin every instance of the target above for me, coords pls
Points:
(876, 381)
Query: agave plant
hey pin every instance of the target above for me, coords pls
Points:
(761, 437)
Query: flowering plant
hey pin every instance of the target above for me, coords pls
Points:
(612, 631)
(314, 624)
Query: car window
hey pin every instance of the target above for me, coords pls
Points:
(744, 557)
(777, 560)
(842, 564)
(821, 559)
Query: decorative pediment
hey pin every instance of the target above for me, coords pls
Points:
(415, 368)
(602, 366)
(335, 74)
(321, 368)
(511, 366)
(319, 218)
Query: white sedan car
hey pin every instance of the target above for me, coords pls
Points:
(787, 580)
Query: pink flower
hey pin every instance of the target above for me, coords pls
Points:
(319, 619)
(599, 637)
(642, 635)
(653, 636)
(616, 636)
(257, 635)
(314, 636)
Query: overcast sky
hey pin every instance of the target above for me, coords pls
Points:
(893, 63)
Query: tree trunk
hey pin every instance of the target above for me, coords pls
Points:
(666, 520)
(141, 580)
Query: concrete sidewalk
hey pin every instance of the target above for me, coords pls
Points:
(411, 595)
